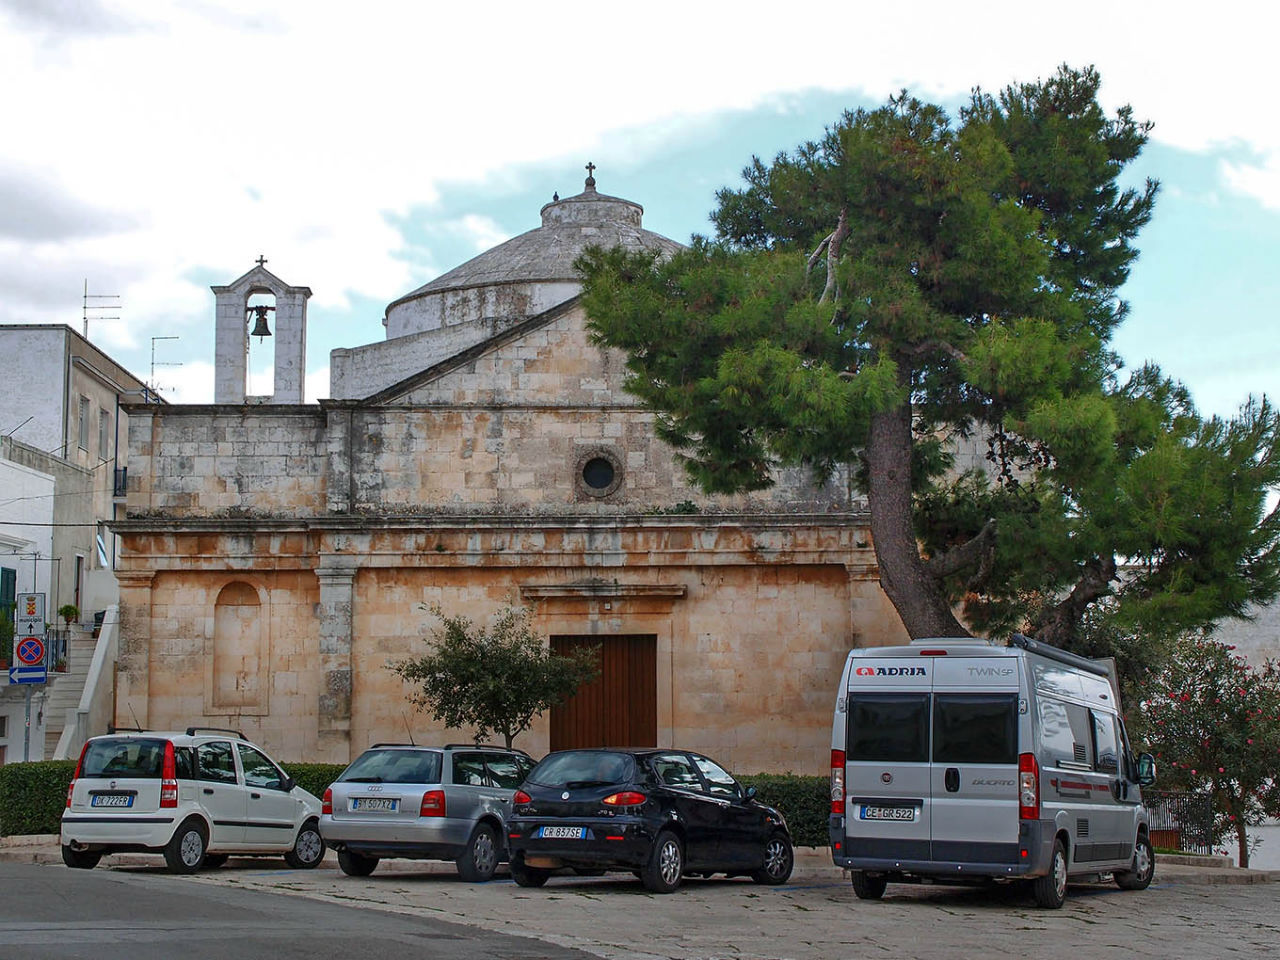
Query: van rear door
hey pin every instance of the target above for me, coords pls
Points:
(974, 774)
(887, 811)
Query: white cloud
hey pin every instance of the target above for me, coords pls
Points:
(188, 138)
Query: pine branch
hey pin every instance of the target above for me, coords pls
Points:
(831, 291)
(976, 550)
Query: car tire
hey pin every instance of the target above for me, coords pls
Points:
(184, 853)
(308, 848)
(356, 864)
(80, 859)
(480, 859)
(1050, 891)
(779, 859)
(1144, 867)
(867, 887)
(528, 876)
(212, 861)
(663, 872)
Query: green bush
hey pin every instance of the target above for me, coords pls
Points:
(33, 796)
(804, 800)
(314, 777)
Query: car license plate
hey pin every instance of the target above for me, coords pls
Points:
(888, 813)
(562, 833)
(111, 800)
(384, 804)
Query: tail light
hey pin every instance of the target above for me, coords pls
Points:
(627, 798)
(432, 804)
(837, 782)
(520, 797)
(326, 802)
(1028, 787)
(79, 766)
(169, 777)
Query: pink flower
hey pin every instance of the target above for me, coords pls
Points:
(1193, 773)
(1220, 770)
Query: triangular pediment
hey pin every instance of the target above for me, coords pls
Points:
(544, 360)
(259, 279)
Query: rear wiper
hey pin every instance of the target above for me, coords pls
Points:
(578, 784)
(363, 780)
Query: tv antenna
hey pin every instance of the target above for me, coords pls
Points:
(162, 363)
(94, 308)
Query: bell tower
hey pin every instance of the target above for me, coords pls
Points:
(237, 319)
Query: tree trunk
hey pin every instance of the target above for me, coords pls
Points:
(917, 596)
(1242, 839)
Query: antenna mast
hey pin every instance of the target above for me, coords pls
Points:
(96, 307)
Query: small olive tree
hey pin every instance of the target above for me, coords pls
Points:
(497, 679)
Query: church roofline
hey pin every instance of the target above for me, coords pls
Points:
(260, 274)
(399, 389)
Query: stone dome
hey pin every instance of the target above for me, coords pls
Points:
(529, 273)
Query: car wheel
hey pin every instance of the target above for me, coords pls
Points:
(867, 887)
(184, 853)
(355, 864)
(480, 859)
(1051, 890)
(779, 858)
(212, 861)
(666, 864)
(528, 876)
(308, 848)
(1144, 867)
(80, 859)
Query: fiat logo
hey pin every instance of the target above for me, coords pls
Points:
(886, 778)
(565, 795)
(111, 785)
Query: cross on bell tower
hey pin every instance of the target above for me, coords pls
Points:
(591, 180)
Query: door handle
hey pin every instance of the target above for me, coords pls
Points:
(208, 790)
(951, 779)
(256, 796)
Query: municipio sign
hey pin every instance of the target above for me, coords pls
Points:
(28, 619)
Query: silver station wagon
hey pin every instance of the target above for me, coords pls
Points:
(424, 803)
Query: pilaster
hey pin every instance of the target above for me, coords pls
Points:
(133, 664)
(337, 587)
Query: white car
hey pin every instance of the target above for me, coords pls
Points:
(196, 797)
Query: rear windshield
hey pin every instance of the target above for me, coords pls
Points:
(394, 766)
(889, 727)
(584, 768)
(139, 759)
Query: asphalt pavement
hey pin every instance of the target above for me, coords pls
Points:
(1194, 908)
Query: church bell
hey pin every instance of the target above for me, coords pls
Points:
(260, 328)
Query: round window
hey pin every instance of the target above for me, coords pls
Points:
(598, 473)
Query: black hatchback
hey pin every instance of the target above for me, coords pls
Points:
(661, 814)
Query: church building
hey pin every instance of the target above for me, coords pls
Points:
(277, 555)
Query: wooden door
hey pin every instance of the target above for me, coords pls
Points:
(620, 707)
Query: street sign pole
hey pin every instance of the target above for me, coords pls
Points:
(26, 733)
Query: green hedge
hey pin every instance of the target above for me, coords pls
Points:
(804, 800)
(314, 777)
(33, 796)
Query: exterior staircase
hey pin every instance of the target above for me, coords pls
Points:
(65, 689)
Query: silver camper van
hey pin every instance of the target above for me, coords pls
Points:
(959, 761)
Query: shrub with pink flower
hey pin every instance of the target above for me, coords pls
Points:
(1212, 718)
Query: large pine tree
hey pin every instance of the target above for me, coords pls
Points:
(910, 277)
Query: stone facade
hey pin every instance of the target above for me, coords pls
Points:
(278, 557)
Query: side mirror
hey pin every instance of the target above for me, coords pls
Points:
(750, 794)
(1146, 769)
(287, 784)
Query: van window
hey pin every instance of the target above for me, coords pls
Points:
(889, 727)
(975, 728)
(1064, 733)
(1106, 753)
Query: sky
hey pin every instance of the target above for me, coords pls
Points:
(152, 149)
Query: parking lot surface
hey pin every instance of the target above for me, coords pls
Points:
(1187, 912)
(816, 916)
